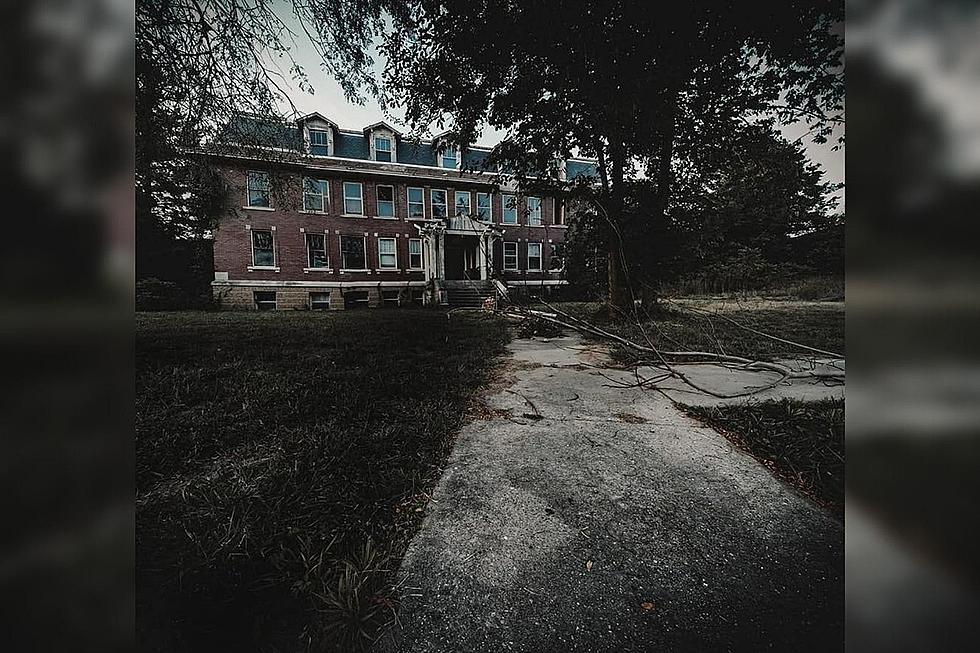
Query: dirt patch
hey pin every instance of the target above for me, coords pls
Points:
(630, 418)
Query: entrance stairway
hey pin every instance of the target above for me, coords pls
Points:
(471, 294)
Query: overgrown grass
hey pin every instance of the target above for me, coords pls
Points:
(682, 325)
(283, 461)
(801, 442)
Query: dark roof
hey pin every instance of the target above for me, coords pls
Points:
(267, 132)
(252, 130)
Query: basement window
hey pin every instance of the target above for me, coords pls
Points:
(389, 298)
(319, 301)
(265, 300)
(356, 299)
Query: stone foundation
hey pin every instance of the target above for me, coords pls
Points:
(244, 298)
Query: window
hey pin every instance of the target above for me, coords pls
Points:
(534, 256)
(382, 148)
(387, 256)
(316, 251)
(263, 252)
(534, 211)
(510, 256)
(352, 253)
(316, 195)
(416, 203)
(557, 263)
(356, 299)
(415, 254)
(386, 201)
(463, 198)
(258, 188)
(484, 212)
(510, 209)
(353, 204)
(265, 300)
(559, 211)
(449, 159)
(438, 203)
(319, 142)
(389, 298)
(319, 301)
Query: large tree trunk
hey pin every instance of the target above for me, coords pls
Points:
(620, 296)
(664, 177)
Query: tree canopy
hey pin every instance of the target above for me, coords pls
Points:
(615, 80)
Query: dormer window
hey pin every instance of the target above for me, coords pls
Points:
(449, 159)
(382, 149)
(382, 142)
(319, 142)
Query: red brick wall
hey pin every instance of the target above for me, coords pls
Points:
(232, 244)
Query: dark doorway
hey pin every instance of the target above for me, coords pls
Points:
(461, 257)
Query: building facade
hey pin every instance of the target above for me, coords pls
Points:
(327, 218)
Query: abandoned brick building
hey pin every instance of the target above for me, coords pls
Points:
(328, 218)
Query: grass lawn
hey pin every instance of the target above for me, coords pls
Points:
(282, 464)
(801, 442)
(682, 325)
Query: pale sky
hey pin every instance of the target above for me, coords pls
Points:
(328, 99)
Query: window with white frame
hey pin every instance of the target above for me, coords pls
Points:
(263, 249)
(319, 301)
(415, 254)
(557, 262)
(534, 211)
(316, 251)
(386, 201)
(416, 203)
(449, 158)
(510, 209)
(510, 256)
(316, 195)
(257, 187)
(484, 210)
(439, 207)
(382, 148)
(353, 198)
(387, 254)
(319, 142)
(559, 211)
(463, 199)
(352, 253)
(265, 300)
(534, 257)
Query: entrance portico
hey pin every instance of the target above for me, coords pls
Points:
(457, 250)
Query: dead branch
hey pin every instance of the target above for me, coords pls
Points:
(564, 319)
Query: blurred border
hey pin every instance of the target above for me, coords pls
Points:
(913, 413)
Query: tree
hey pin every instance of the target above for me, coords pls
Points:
(200, 62)
(758, 194)
(613, 80)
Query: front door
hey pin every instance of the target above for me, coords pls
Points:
(461, 257)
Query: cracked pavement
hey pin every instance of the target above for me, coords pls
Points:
(586, 517)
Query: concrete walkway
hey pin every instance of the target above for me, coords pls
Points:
(582, 517)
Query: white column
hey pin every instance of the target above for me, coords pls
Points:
(481, 257)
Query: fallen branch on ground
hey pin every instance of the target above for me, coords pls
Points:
(668, 360)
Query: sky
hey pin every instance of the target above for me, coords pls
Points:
(328, 100)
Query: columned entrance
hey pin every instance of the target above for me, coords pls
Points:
(462, 257)
(457, 254)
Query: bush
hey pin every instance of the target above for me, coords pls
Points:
(747, 271)
(159, 295)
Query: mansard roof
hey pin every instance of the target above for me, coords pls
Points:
(259, 131)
